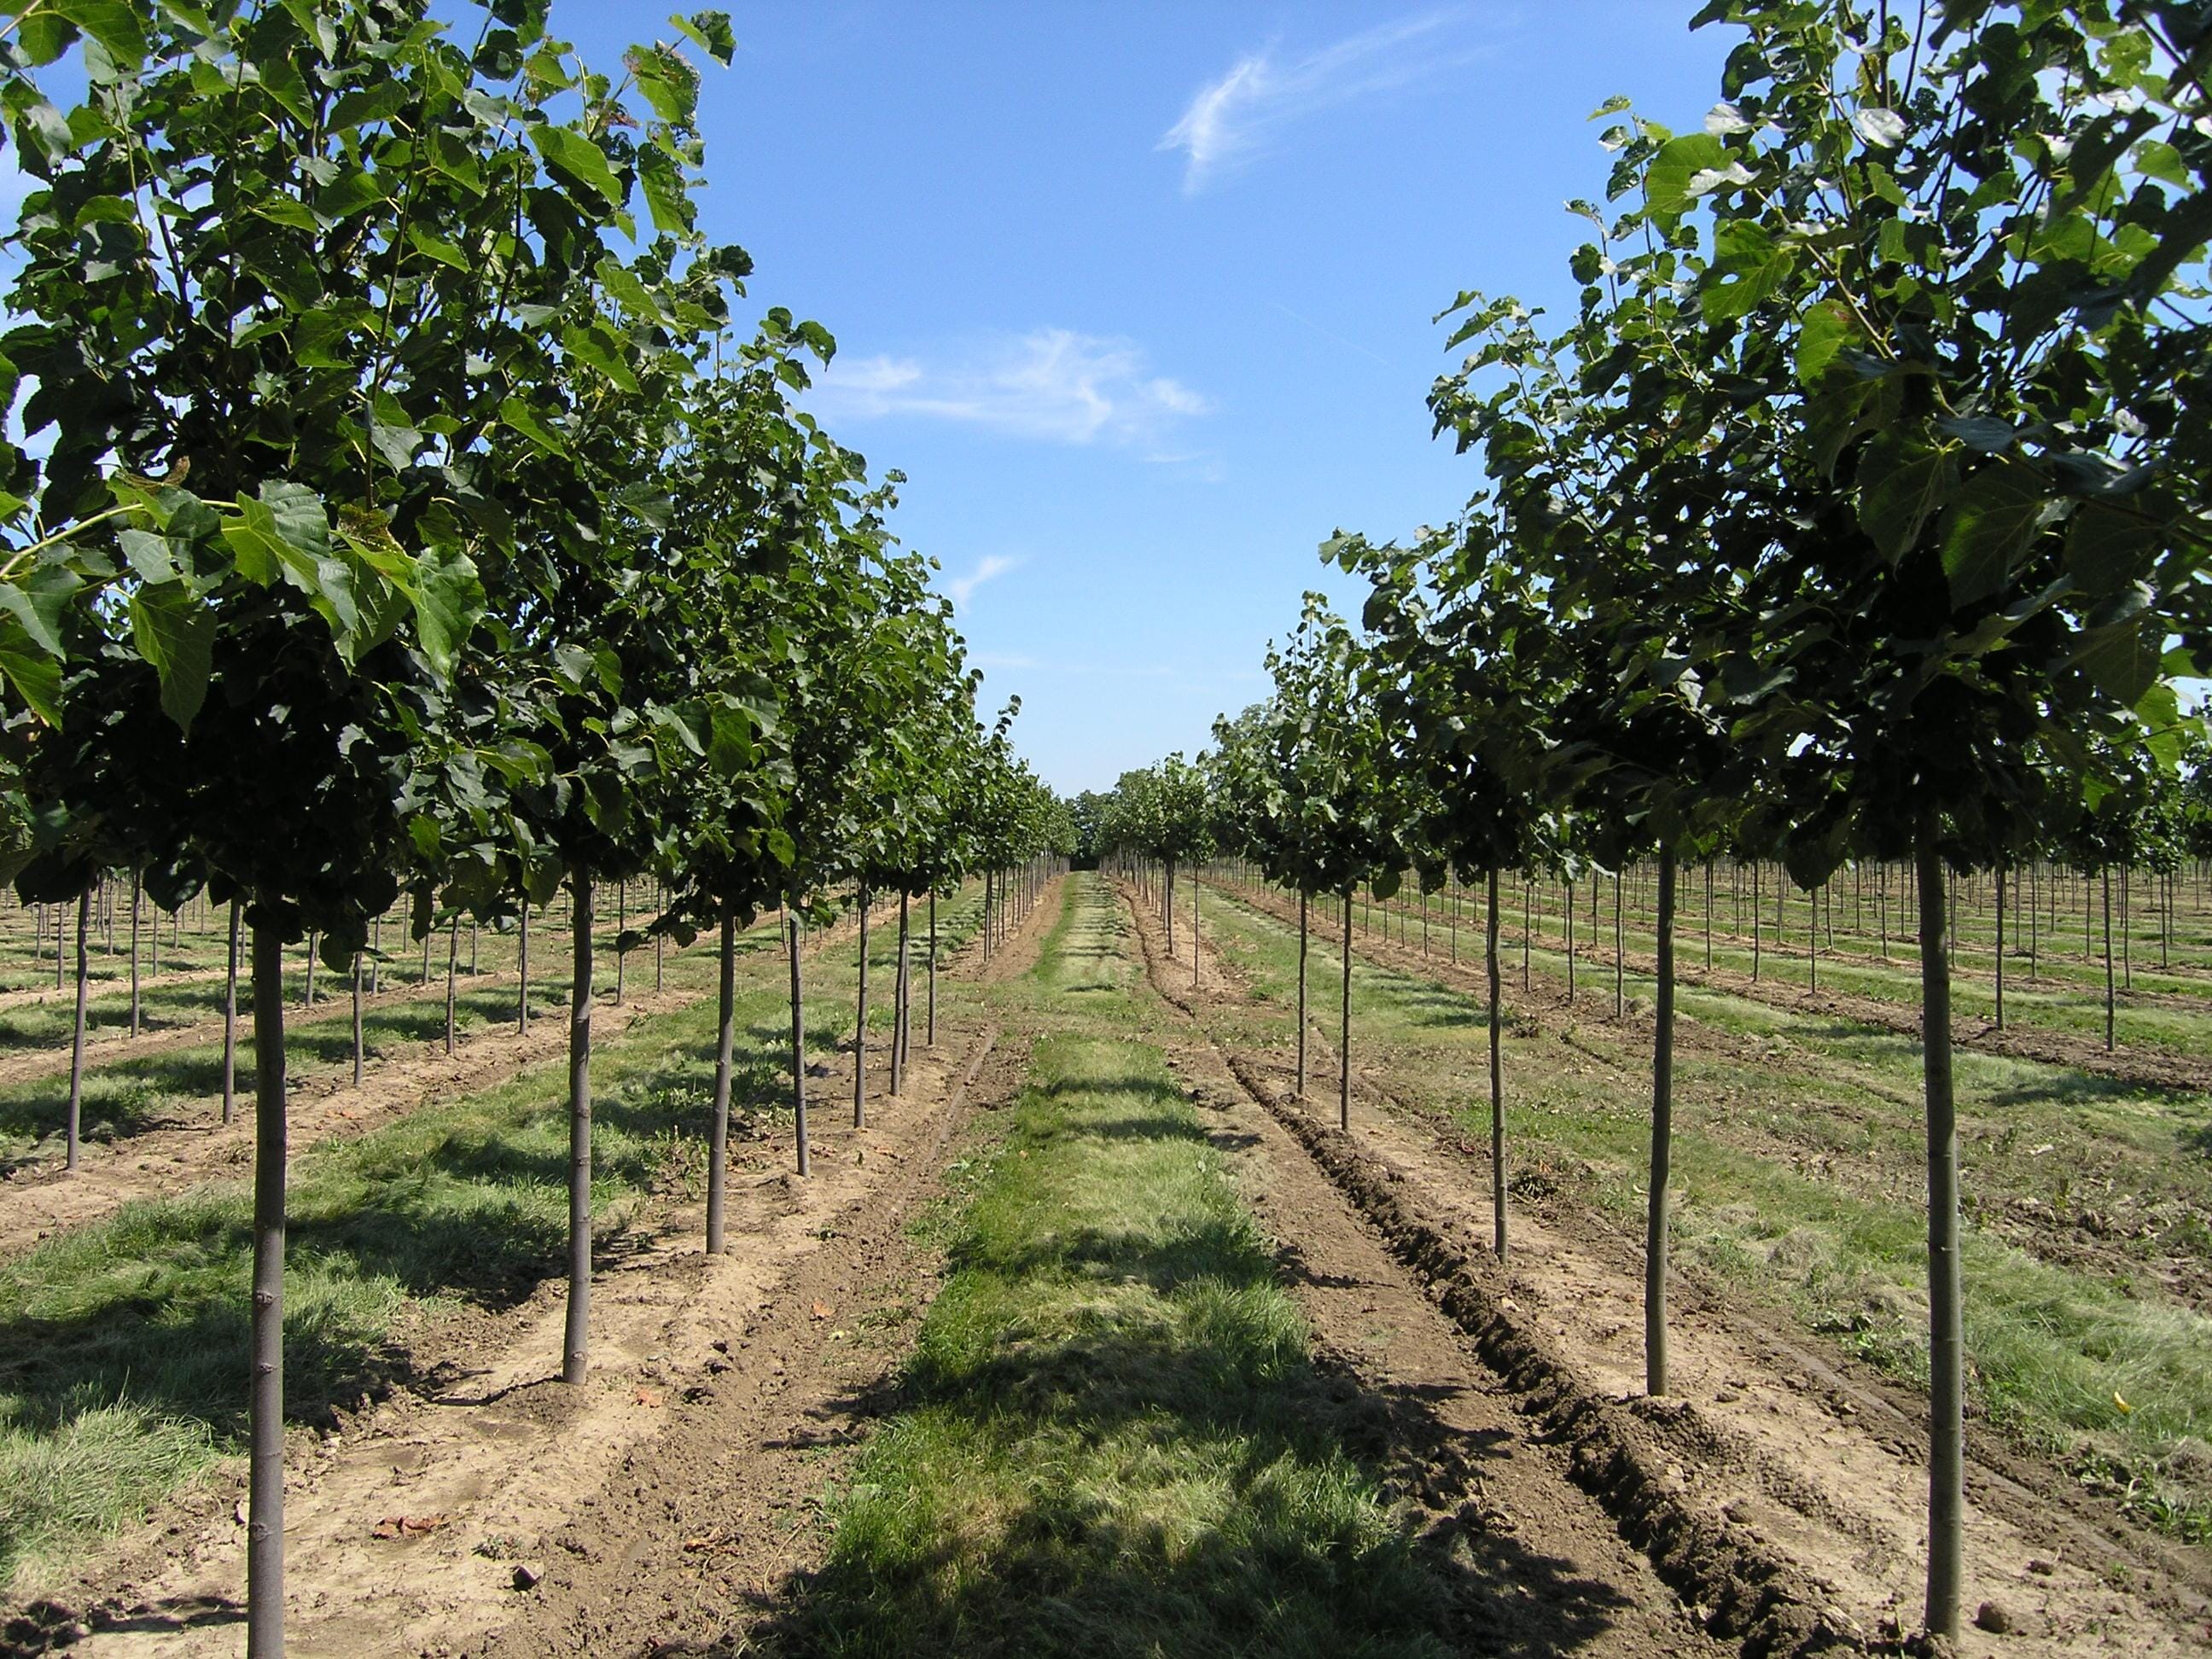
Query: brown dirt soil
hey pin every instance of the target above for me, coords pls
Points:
(1537, 1565)
(2124, 1243)
(323, 1103)
(1783, 1489)
(476, 1433)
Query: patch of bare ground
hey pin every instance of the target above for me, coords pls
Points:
(1782, 1490)
(195, 1145)
(481, 1488)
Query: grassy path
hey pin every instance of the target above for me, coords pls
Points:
(1121, 1434)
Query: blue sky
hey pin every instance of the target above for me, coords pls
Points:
(1139, 296)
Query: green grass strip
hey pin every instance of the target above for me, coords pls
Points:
(1115, 1442)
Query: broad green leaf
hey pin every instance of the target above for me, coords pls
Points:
(175, 634)
(29, 672)
(667, 191)
(711, 30)
(40, 603)
(575, 159)
(114, 24)
(1827, 328)
(449, 597)
(515, 413)
(1667, 186)
(2108, 547)
(1991, 521)
(597, 346)
(1903, 483)
(2123, 658)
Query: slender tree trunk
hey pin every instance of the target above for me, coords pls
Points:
(2001, 945)
(1167, 902)
(1195, 886)
(1946, 1347)
(933, 969)
(575, 1351)
(898, 1008)
(1497, 1073)
(1754, 922)
(717, 1150)
(1528, 927)
(76, 1040)
(860, 1028)
(1619, 986)
(794, 935)
(137, 883)
(452, 964)
(230, 1024)
(264, 1526)
(2110, 1041)
(522, 965)
(1570, 914)
(356, 1020)
(1663, 1140)
(622, 925)
(1344, 1027)
(1302, 994)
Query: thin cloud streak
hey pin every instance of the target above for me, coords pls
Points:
(1232, 120)
(961, 589)
(1050, 385)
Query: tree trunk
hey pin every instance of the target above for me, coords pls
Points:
(452, 963)
(860, 1028)
(2001, 945)
(1946, 1344)
(933, 969)
(264, 1527)
(1194, 930)
(1344, 1027)
(718, 1135)
(1497, 1076)
(356, 1020)
(575, 1348)
(1302, 994)
(1663, 1140)
(1570, 914)
(622, 925)
(137, 884)
(76, 1040)
(522, 965)
(898, 1008)
(230, 1025)
(1619, 986)
(1168, 906)
(794, 934)
(2109, 1033)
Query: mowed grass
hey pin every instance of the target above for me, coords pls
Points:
(123, 1345)
(1110, 1444)
(1797, 1162)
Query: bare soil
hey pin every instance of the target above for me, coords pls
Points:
(1782, 1490)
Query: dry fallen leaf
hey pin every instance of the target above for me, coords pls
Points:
(823, 1310)
(648, 1396)
(404, 1526)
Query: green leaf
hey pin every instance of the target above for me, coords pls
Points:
(29, 672)
(114, 24)
(449, 597)
(39, 604)
(711, 30)
(667, 191)
(1667, 186)
(517, 414)
(175, 634)
(598, 346)
(1903, 483)
(1827, 328)
(2123, 658)
(575, 159)
(1991, 521)
(2107, 548)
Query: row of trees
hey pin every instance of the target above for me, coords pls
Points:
(1855, 514)
(399, 514)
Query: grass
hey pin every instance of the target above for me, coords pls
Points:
(1798, 1163)
(123, 1345)
(1112, 1441)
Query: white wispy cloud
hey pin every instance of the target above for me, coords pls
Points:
(962, 588)
(1053, 384)
(1232, 119)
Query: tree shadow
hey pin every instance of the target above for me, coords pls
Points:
(1202, 1379)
